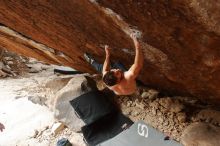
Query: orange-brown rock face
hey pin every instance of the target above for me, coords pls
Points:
(181, 39)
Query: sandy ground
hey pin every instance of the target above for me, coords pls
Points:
(28, 123)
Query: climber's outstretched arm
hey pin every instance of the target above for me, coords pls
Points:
(138, 61)
(106, 65)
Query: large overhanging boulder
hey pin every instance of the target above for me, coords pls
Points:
(181, 39)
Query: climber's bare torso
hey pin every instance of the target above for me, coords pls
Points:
(126, 86)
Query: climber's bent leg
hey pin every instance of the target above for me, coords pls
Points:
(97, 66)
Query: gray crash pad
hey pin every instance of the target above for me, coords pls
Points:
(140, 134)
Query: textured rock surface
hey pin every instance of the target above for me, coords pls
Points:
(209, 115)
(200, 134)
(181, 39)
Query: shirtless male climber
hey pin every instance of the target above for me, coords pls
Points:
(115, 76)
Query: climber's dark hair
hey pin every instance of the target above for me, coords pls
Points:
(109, 79)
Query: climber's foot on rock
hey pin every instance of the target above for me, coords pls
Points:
(88, 58)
